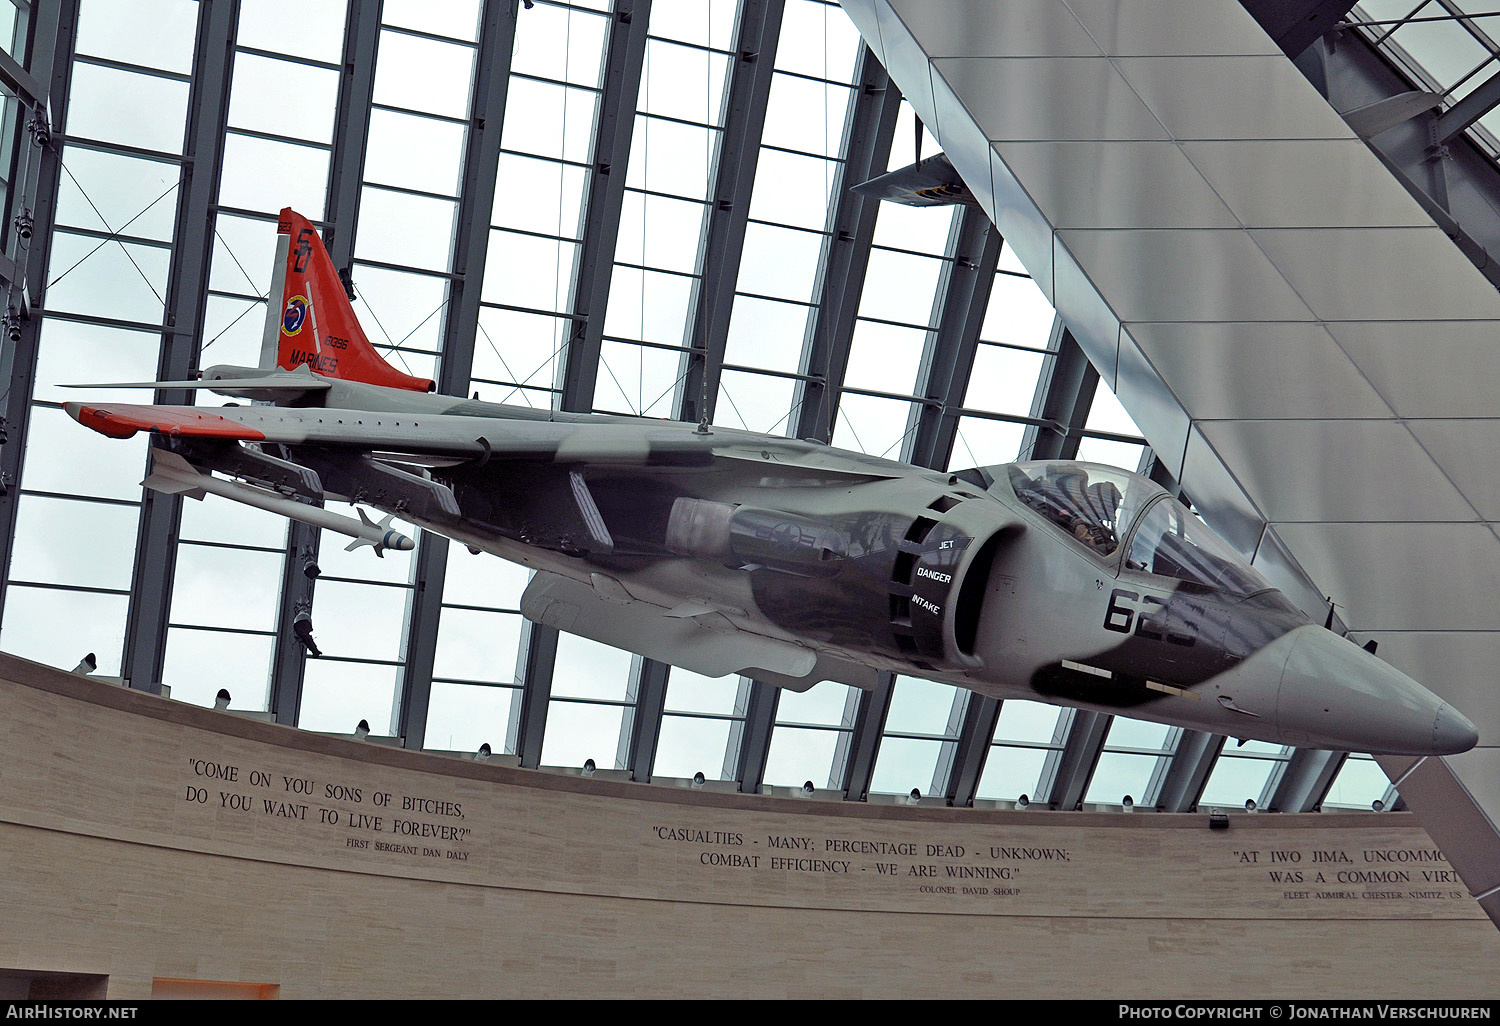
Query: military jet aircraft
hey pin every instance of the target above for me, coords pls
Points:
(792, 562)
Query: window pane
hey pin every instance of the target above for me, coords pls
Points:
(125, 107)
(59, 627)
(904, 764)
(797, 755)
(579, 731)
(199, 663)
(587, 669)
(461, 717)
(690, 744)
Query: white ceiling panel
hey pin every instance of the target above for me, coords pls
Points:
(1104, 185)
(1256, 370)
(962, 28)
(1281, 183)
(1232, 98)
(1172, 26)
(1427, 368)
(1192, 275)
(1400, 576)
(1032, 98)
(1467, 451)
(1463, 667)
(1326, 470)
(1386, 273)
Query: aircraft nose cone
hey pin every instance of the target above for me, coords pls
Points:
(1452, 732)
(1342, 697)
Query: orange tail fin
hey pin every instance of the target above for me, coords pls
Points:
(318, 327)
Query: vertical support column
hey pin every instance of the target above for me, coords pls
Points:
(1079, 757)
(948, 360)
(723, 240)
(624, 60)
(1305, 780)
(53, 29)
(750, 740)
(1188, 770)
(497, 35)
(361, 41)
(825, 351)
(718, 263)
(641, 729)
(863, 741)
(187, 287)
(1064, 395)
(980, 719)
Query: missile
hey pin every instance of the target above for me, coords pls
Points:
(172, 474)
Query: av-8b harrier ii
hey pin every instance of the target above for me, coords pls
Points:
(792, 562)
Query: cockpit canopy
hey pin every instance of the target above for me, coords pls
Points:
(1094, 504)
(1105, 508)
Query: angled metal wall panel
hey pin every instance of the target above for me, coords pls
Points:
(1235, 196)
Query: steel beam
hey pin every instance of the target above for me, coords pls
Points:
(981, 717)
(1305, 781)
(53, 31)
(345, 174)
(723, 241)
(640, 731)
(750, 738)
(857, 749)
(1296, 24)
(182, 334)
(535, 660)
(497, 34)
(1064, 395)
(1470, 109)
(846, 255)
(948, 360)
(1079, 757)
(1188, 770)
(624, 61)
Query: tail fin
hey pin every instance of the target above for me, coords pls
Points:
(311, 320)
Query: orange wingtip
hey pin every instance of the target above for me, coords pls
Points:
(122, 421)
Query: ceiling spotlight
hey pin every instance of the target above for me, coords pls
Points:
(24, 223)
(1022, 802)
(807, 788)
(698, 779)
(362, 730)
(221, 700)
(302, 627)
(1377, 805)
(1128, 803)
(87, 665)
(588, 767)
(1250, 805)
(41, 131)
(914, 797)
(483, 754)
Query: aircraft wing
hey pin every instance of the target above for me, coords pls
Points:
(464, 437)
(694, 637)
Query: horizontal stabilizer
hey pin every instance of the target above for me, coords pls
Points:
(287, 383)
